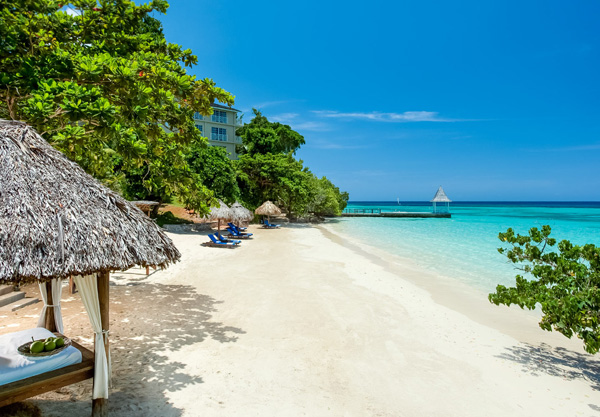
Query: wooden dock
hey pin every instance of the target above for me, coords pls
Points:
(401, 214)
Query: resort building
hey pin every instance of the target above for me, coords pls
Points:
(220, 128)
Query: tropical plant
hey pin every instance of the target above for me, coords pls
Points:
(565, 283)
(267, 170)
(262, 136)
(214, 170)
(277, 177)
(99, 81)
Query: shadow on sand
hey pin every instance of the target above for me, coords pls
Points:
(555, 361)
(146, 320)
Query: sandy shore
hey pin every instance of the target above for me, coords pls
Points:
(304, 322)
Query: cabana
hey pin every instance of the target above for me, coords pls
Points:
(220, 213)
(57, 221)
(240, 214)
(268, 209)
(441, 197)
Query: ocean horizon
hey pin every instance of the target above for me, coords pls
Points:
(464, 247)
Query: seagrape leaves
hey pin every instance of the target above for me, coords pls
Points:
(104, 77)
(564, 284)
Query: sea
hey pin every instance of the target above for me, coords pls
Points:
(465, 246)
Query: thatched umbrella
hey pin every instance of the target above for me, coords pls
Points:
(220, 212)
(240, 213)
(57, 221)
(268, 209)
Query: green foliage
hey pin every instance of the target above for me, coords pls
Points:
(565, 284)
(215, 170)
(267, 170)
(277, 177)
(262, 136)
(101, 85)
(326, 200)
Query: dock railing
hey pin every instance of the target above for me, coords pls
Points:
(363, 211)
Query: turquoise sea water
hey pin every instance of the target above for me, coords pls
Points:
(464, 247)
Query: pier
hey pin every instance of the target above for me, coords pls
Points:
(405, 214)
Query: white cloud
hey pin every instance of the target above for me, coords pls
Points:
(406, 117)
(284, 117)
(311, 126)
(575, 148)
(266, 104)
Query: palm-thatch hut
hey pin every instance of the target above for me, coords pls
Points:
(57, 221)
(268, 209)
(441, 197)
(222, 212)
(240, 214)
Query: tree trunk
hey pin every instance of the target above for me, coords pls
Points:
(50, 323)
(100, 405)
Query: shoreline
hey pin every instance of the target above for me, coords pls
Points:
(454, 294)
(299, 321)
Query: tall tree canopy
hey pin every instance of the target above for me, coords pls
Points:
(99, 81)
(261, 136)
(215, 170)
(267, 170)
(565, 285)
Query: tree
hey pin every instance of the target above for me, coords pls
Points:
(262, 136)
(214, 170)
(277, 177)
(326, 199)
(267, 170)
(102, 85)
(565, 284)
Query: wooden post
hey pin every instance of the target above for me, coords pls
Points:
(100, 405)
(71, 285)
(50, 323)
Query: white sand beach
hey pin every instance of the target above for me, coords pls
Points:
(304, 322)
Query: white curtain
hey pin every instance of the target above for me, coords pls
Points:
(88, 290)
(56, 295)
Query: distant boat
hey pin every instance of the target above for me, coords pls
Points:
(399, 201)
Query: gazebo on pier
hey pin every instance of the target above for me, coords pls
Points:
(441, 197)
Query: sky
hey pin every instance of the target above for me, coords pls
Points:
(495, 101)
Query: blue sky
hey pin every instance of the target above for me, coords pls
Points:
(492, 100)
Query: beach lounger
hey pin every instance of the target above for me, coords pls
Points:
(224, 239)
(234, 233)
(233, 226)
(268, 225)
(218, 244)
(238, 230)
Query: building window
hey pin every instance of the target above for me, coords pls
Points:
(198, 116)
(218, 133)
(219, 116)
(200, 128)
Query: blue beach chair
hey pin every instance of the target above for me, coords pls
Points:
(218, 244)
(268, 225)
(225, 240)
(238, 235)
(233, 226)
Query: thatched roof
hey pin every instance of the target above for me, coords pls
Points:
(268, 209)
(220, 212)
(241, 213)
(440, 196)
(56, 220)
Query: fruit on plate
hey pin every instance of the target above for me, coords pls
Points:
(36, 347)
(48, 346)
(60, 342)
